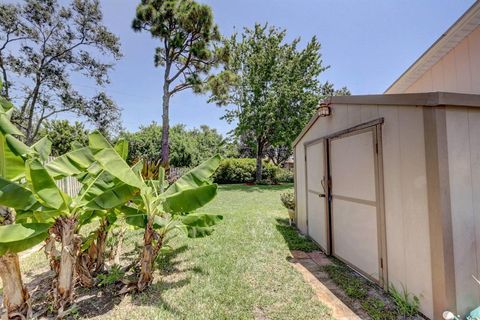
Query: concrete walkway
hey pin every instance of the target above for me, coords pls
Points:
(309, 265)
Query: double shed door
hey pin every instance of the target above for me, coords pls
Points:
(348, 221)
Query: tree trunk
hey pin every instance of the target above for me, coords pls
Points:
(116, 250)
(147, 258)
(165, 128)
(65, 281)
(15, 295)
(102, 234)
(258, 174)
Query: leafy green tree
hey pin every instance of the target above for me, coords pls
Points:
(46, 44)
(273, 83)
(187, 35)
(63, 134)
(188, 148)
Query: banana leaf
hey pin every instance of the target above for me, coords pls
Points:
(122, 148)
(19, 237)
(8, 128)
(112, 198)
(43, 147)
(17, 147)
(44, 187)
(71, 163)
(196, 177)
(12, 167)
(190, 199)
(13, 195)
(200, 224)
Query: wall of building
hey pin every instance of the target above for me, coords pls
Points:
(457, 71)
(406, 203)
(463, 139)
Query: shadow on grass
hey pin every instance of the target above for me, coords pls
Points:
(255, 188)
(293, 238)
(97, 301)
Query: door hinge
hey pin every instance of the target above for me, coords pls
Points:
(376, 148)
(381, 263)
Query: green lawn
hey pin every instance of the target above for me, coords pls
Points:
(240, 272)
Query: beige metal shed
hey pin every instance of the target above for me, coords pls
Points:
(390, 183)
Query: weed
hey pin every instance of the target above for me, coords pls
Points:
(353, 286)
(407, 304)
(377, 310)
(114, 275)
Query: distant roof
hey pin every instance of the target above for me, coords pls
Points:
(447, 41)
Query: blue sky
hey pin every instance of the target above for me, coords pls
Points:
(367, 44)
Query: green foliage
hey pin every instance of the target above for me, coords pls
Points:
(288, 200)
(407, 304)
(114, 275)
(187, 48)
(188, 148)
(63, 134)
(19, 237)
(243, 170)
(295, 240)
(273, 83)
(285, 175)
(46, 44)
(377, 310)
(353, 285)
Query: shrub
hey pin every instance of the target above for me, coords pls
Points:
(235, 170)
(285, 176)
(288, 200)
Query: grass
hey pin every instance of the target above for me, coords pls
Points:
(239, 272)
(357, 288)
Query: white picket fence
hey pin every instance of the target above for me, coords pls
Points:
(69, 185)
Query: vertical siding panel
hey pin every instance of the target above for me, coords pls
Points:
(354, 115)
(450, 78)
(462, 67)
(462, 208)
(438, 77)
(301, 193)
(474, 51)
(394, 216)
(415, 205)
(369, 113)
(474, 132)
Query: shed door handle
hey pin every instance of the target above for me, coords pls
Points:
(322, 195)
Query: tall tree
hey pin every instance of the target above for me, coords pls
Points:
(187, 35)
(45, 44)
(273, 84)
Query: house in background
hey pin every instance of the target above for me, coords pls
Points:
(390, 183)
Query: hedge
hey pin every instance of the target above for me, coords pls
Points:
(242, 170)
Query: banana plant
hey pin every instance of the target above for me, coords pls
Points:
(15, 238)
(159, 209)
(45, 204)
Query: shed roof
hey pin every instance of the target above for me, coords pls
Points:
(428, 99)
(447, 41)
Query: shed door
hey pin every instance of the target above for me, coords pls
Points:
(317, 217)
(355, 209)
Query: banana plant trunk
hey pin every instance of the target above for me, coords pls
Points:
(15, 295)
(101, 243)
(147, 258)
(71, 242)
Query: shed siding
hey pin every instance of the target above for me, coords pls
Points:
(406, 203)
(457, 71)
(463, 139)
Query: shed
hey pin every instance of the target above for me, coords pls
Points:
(390, 183)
